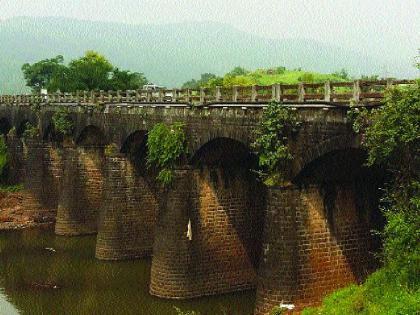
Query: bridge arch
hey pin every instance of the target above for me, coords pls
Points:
(223, 151)
(134, 146)
(5, 126)
(314, 153)
(91, 136)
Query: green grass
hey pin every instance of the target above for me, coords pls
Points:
(11, 188)
(381, 294)
(294, 77)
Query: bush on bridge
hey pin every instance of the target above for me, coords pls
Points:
(271, 144)
(166, 144)
(62, 122)
(3, 154)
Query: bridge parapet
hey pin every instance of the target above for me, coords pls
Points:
(338, 93)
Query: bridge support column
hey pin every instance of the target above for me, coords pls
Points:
(81, 191)
(128, 215)
(16, 170)
(221, 252)
(42, 175)
(316, 239)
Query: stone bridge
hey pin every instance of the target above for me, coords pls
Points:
(293, 243)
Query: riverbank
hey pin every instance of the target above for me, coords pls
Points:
(12, 214)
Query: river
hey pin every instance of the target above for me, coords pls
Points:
(41, 273)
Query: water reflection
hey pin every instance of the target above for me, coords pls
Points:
(41, 273)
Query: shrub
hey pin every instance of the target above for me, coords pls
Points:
(30, 131)
(62, 122)
(271, 144)
(166, 144)
(3, 154)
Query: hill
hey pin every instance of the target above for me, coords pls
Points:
(168, 54)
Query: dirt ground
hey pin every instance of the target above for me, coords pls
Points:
(11, 212)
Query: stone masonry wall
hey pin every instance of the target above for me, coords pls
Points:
(81, 191)
(314, 243)
(128, 217)
(225, 214)
(42, 176)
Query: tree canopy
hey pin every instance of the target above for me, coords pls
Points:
(93, 71)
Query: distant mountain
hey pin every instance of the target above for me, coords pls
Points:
(169, 54)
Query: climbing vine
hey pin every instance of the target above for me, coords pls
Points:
(30, 131)
(271, 144)
(166, 144)
(3, 154)
(62, 122)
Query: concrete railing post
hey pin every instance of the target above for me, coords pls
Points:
(202, 96)
(254, 93)
(235, 93)
(218, 93)
(327, 91)
(301, 92)
(174, 95)
(279, 92)
(356, 91)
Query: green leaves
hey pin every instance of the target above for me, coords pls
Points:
(90, 72)
(166, 144)
(3, 154)
(62, 122)
(271, 144)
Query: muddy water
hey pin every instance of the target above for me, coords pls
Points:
(41, 273)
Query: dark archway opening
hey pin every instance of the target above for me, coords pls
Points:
(91, 136)
(342, 203)
(5, 126)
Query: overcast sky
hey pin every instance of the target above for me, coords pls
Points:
(385, 27)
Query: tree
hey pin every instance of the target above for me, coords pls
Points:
(126, 80)
(237, 71)
(343, 74)
(39, 74)
(90, 72)
(204, 81)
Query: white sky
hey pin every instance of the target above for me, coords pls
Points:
(381, 27)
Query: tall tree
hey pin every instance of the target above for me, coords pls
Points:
(39, 74)
(126, 80)
(90, 72)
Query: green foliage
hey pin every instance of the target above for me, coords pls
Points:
(343, 74)
(381, 294)
(111, 149)
(40, 74)
(90, 72)
(277, 125)
(11, 188)
(237, 71)
(3, 154)
(30, 131)
(180, 312)
(62, 122)
(166, 144)
(206, 80)
(278, 310)
(307, 77)
(126, 80)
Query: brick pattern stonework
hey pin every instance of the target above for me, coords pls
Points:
(81, 191)
(309, 251)
(222, 256)
(128, 215)
(42, 179)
